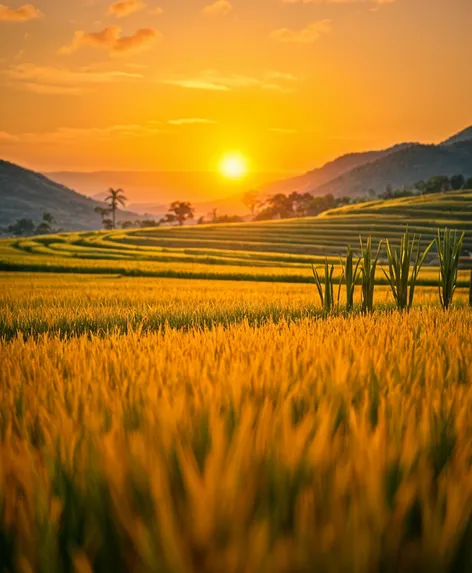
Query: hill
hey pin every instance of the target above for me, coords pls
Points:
(463, 135)
(280, 251)
(27, 194)
(401, 165)
(310, 181)
(403, 168)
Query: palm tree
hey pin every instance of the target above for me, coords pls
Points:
(115, 197)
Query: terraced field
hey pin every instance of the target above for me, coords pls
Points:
(279, 251)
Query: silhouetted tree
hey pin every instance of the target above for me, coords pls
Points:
(437, 184)
(468, 183)
(115, 197)
(457, 182)
(22, 227)
(107, 223)
(46, 225)
(147, 223)
(298, 205)
(251, 200)
(180, 211)
(420, 186)
(227, 219)
(321, 204)
(169, 219)
(126, 224)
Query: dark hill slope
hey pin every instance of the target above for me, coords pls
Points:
(403, 168)
(27, 194)
(463, 135)
(310, 181)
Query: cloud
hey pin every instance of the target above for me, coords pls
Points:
(8, 137)
(62, 81)
(281, 76)
(109, 39)
(156, 11)
(124, 8)
(197, 84)
(191, 121)
(66, 135)
(218, 7)
(21, 14)
(213, 81)
(306, 35)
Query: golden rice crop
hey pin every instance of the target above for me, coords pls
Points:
(340, 444)
(81, 304)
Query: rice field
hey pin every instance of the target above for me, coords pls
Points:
(158, 425)
(272, 251)
(179, 401)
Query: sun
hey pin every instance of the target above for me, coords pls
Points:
(233, 166)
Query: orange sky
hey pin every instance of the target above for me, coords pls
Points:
(174, 84)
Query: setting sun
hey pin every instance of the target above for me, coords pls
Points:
(233, 166)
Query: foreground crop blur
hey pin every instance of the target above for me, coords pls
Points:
(288, 443)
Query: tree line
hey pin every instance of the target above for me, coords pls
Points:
(24, 226)
(435, 184)
(277, 206)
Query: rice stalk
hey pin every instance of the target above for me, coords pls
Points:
(325, 286)
(368, 268)
(350, 275)
(449, 245)
(404, 265)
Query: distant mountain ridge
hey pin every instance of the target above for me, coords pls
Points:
(404, 168)
(401, 165)
(463, 135)
(309, 181)
(27, 194)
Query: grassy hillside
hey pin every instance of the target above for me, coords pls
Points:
(271, 251)
(27, 194)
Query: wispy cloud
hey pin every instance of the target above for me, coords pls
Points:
(66, 135)
(21, 14)
(8, 137)
(124, 8)
(213, 81)
(197, 84)
(307, 35)
(50, 80)
(191, 121)
(218, 7)
(110, 39)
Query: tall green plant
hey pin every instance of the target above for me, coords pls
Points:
(325, 286)
(449, 244)
(350, 275)
(404, 265)
(368, 267)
